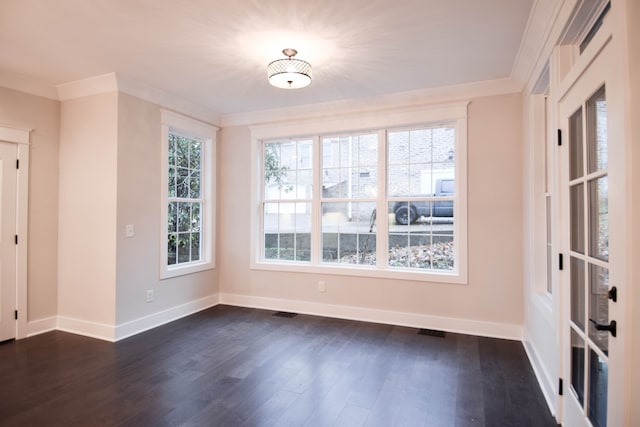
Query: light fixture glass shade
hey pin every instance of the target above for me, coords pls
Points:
(289, 73)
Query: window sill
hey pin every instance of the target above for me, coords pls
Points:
(351, 270)
(169, 272)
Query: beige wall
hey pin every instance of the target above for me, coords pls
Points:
(138, 258)
(21, 110)
(87, 203)
(494, 292)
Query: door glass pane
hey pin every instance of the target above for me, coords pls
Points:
(597, 132)
(599, 218)
(599, 305)
(577, 218)
(576, 168)
(577, 292)
(549, 244)
(598, 379)
(577, 366)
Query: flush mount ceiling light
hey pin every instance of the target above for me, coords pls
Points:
(289, 73)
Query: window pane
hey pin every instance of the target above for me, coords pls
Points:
(576, 168)
(287, 231)
(398, 182)
(182, 151)
(194, 185)
(353, 174)
(195, 246)
(599, 218)
(184, 247)
(195, 217)
(577, 365)
(184, 217)
(171, 148)
(172, 249)
(599, 305)
(577, 217)
(287, 173)
(598, 385)
(398, 148)
(182, 183)
(348, 233)
(171, 184)
(597, 132)
(577, 292)
(549, 244)
(423, 243)
(172, 217)
(195, 154)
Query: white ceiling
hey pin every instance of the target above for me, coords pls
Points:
(214, 52)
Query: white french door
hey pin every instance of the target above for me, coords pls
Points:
(592, 194)
(8, 180)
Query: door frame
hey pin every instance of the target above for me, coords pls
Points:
(618, 188)
(21, 137)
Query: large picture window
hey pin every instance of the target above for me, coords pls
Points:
(187, 195)
(388, 202)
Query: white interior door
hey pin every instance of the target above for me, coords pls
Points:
(8, 177)
(593, 246)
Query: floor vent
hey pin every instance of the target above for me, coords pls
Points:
(432, 333)
(285, 314)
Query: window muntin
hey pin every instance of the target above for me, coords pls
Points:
(187, 195)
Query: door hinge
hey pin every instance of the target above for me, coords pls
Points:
(17, 163)
(559, 137)
(15, 314)
(560, 262)
(16, 239)
(560, 388)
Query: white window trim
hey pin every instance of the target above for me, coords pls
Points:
(450, 113)
(185, 126)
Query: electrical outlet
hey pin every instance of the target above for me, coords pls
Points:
(149, 295)
(130, 230)
(321, 287)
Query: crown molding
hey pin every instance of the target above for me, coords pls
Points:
(165, 99)
(95, 85)
(27, 84)
(106, 83)
(117, 82)
(372, 104)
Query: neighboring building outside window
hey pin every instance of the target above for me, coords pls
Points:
(188, 188)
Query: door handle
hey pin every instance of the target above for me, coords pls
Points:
(611, 327)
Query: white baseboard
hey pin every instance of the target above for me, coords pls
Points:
(413, 320)
(101, 331)
(124, 330)
(40, 326)
(127, 329)
(547, 384)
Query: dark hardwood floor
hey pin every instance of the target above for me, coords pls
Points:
(230, 366)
